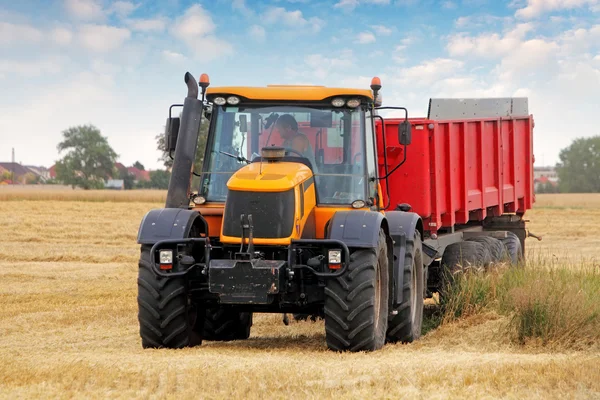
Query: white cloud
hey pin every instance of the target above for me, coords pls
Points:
(195, 22)
(52, 65)
(87, 10)
(173, 56)
(147, 25)
(365, 38)
(105, 68)
(102, 38)
(347, 5)
(320, 67)
(449, 5)
(61, 36)
(488, 45)
(17, 34)
(196, 27)
(535, 8)
(257, 32)
(381, 30)
(240, 5)
(429, 72)
(123, 8)
(479, 21)
(293, 19)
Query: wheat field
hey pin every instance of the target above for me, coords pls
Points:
(68, 322)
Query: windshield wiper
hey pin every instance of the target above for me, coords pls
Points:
(239, 158)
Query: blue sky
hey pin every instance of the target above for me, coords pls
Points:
(120, 64)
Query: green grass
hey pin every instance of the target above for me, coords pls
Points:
(546, 304)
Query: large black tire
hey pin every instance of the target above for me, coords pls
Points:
(513, 246)
(460, 256)
(356, 303)
(225, 324)
(497, 250)
(406, 325)
(165, 314)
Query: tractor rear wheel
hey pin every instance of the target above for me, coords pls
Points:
(166, 316)
(356, 303)
(406, 325)
(225, 324)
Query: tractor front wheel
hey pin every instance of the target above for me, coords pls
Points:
(167, 318)
(356, 303)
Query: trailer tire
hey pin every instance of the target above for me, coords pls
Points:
(513, 247)
(356, 303)
(497, 250)
(406, 325)
(224, 324)
(165, 315)
(460, 256)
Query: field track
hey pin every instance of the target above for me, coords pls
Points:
(68, 323)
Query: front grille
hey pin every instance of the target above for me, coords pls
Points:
(272, 213)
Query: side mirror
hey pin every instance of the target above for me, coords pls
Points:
(171, 133)
(243, 123)
(404, 133)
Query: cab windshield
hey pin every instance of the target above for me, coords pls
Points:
(329, 140)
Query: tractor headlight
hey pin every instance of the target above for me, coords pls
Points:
(353, 103)
(338, 102)
(166, 256)
(335, 257)
(199, 200)
(219, 101)
(233, 100)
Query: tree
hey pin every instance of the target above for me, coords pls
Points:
(202, 136)
(159, 179)
(139, 166)
(30, 179)
(6, 176)
(128, 179)
(89, 160)
(579, 169)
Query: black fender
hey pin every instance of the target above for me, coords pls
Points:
(402, 227)
(168, 223)
(359, 229)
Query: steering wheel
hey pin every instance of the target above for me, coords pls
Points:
(287, 150)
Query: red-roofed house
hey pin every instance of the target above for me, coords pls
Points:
(140, 175)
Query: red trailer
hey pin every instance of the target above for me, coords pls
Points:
(468, 171)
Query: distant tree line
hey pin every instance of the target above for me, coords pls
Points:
(579, 166)
(89, 161)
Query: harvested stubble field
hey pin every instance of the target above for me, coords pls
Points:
(68, 325)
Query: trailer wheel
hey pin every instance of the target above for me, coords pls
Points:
(406, 325)
(225, 324)
(460, 256)
(356, 303)
(513, 246)
(166, 316)
(497, 250)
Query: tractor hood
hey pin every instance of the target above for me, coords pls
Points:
(269, 176)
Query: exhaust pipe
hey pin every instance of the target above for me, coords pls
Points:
(185, 150)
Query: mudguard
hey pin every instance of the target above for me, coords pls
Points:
(356, 228)
(402, 227)
(167, 223)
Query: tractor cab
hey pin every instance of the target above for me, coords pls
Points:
(329, 131)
